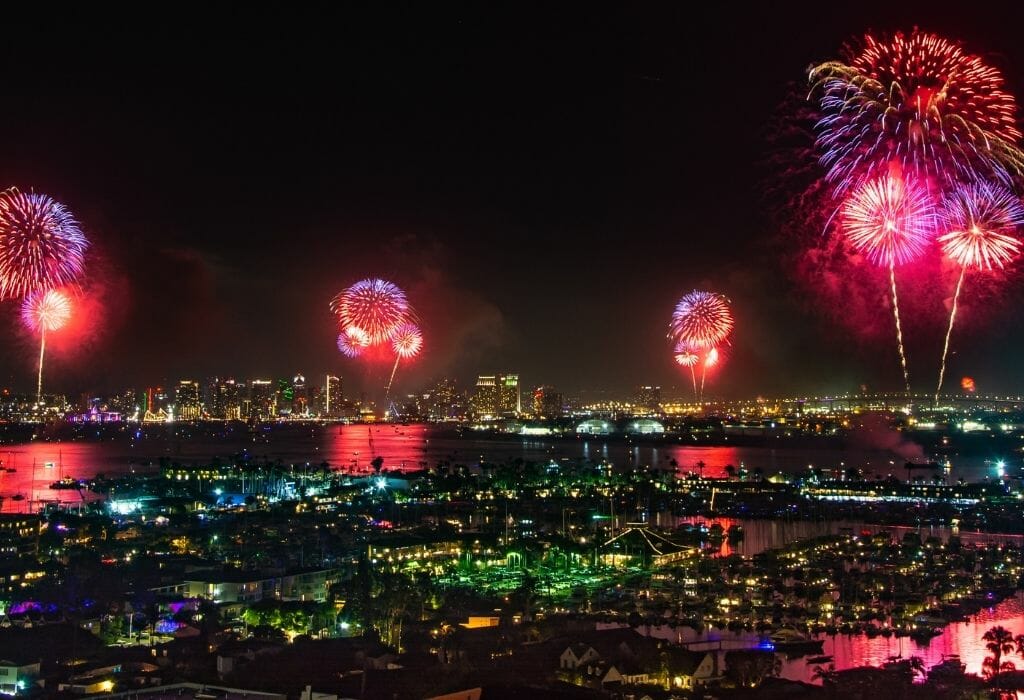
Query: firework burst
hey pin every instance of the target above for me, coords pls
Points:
(891, 221)
(43, 312)
(375, 306)
(980, 222)
(918, 99)
(685, 356)
(701, 320)
(407, 341)
(41, 245)
(352, 341)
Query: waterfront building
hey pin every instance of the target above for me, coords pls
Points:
(261, 400)
(188, 401)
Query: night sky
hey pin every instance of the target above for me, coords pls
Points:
(544, 184)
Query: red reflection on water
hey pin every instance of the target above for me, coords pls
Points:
(353, 447)
(962, 639)
(36, 465)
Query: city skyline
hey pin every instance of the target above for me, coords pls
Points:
(504, 209)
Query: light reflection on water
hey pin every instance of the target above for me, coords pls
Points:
(961, 639)
(415, 446)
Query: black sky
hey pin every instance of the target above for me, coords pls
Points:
(544, 183)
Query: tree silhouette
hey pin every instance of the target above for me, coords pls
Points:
(999, 641)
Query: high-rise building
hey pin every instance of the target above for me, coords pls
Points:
(300, 396)
(547, 403)
(261, 400)
(648, 398)
(188, 400)
(509, 399)
(225, 400)
(284, 397)
(485, 397)
(443, 402)
(496, 396)
(332, 397)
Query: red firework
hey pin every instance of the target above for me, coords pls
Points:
(890, 219)
(375, 306)
(407, 341)
(921, 99)
(701, 320)
(41, 244)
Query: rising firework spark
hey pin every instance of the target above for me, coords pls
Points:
(710, 360)
(701, 320)
(42, 312)
(980, 222)
(891, 221)
(41, 245)
(686, 357)
(407, 343)
(939, 111)
(376, 306)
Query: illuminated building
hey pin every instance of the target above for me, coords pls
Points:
(547, 403)
(188, 400)
(496, 396)
(509, 401)
(648, 398)
(285, 397)
(332, 397)
(225, 399)
(485, 397)
(442, 402)
(261, 400)
(300, 396)
(19, 534)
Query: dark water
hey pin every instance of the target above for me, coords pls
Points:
(407, 448)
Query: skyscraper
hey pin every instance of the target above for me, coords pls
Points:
(509, 399)
(648, 398)
(300, 396)
(485, 397)
(547, 403)
(496, 396)
(332, 397)
(188, 400)
(225, 399)
(261, 400)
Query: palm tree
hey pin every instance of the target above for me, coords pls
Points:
(999, 641)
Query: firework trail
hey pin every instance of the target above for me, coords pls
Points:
(979, 223)
(891, 221)
(41, 312)
(686, 357)
(710, 360)
(407, 343)
(920, 100)
(41, 245)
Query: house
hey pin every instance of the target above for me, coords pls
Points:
(689, 670)
(17, 677)
(576, 655)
